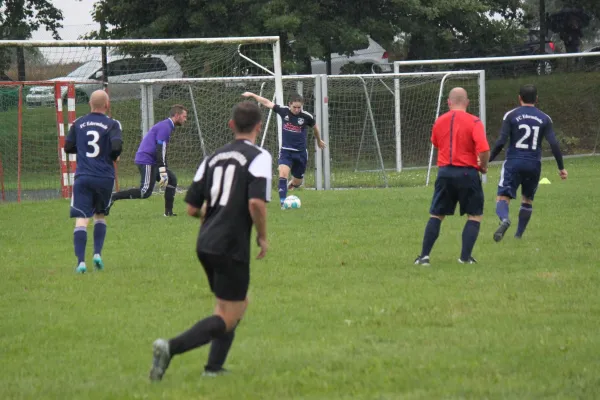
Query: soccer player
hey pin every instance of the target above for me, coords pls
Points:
(96, 139)
(229, 192)
(293, 155)
(524, 127)
(463, 151)
(151, 159)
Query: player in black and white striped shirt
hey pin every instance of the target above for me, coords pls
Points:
(233, 185)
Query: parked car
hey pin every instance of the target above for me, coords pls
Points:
(374, 58)
(122, 71)
(591, 63)
(530, 47)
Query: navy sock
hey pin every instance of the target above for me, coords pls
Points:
(432, 231)
(79, 242)
(99, 235)
(469, 237)
(502, 209)
(198, 335)
(282, 189)
(524, 217)
(219, 349)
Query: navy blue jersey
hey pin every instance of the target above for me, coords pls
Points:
(293, 135)
(96, 139)
(524, 128)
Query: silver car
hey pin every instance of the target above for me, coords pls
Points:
(372, 59)
(123, 72)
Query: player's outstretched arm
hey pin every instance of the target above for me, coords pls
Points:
(258, 212)
(265, 102)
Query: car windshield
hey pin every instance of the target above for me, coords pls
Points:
(85, 70)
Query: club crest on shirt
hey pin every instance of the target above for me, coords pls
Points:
(287, 118)
(300, 121)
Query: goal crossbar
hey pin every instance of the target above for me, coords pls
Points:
(136, 42)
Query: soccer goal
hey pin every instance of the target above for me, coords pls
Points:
(379, 125)
(28, 97)
(211, 100)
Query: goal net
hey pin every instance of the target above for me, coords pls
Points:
(379, 126)
(210, 101)
(117, 66)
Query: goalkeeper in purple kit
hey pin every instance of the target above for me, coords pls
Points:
(151, 160)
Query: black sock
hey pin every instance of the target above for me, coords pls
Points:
(127, 194)
(432, 231)
(469, 237)
(198, 335)
(219, 348)
(169, 199)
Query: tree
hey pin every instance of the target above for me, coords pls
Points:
(19, 18)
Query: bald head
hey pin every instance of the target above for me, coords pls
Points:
(458, 99)
(99, 101)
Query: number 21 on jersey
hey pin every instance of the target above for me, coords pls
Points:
(526, 130)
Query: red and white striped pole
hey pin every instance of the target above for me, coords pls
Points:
(60, 126)
(71, 117)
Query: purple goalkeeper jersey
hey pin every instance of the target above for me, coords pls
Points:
(154, 144)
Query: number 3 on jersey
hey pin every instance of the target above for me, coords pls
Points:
(93, 142)
(527, 132)
(218, 191)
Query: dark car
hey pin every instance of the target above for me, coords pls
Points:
(530, 47)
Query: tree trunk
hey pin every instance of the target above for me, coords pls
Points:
(20, 64)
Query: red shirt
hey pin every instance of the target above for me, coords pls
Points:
(459, 138)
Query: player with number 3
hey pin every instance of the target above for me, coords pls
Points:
(524, 127)
(96, 139)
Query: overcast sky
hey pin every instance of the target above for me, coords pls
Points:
(77, 20)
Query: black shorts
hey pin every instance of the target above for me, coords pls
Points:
(229, 279)
(460, 185)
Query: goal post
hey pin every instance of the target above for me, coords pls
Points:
(127, 62)
(379, 125)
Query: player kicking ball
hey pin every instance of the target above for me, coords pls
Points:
(96, 139)
(293, 155)
(524, 127)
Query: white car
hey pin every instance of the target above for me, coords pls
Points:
(123, 73)
(372, 59)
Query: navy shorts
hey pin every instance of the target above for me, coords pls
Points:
(228, 279)
(460, 185)
(296, 160)
(515, 173)
(91, 195)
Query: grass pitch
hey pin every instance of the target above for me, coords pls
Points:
(338, 310)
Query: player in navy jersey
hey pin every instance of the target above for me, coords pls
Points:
(293, 155)
(229, 192)
(151, 160)
(96, 140)
(524, 127)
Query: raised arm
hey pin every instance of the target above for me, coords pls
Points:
(265, 102)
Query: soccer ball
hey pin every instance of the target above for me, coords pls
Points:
(292, 202)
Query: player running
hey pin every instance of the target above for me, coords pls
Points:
(524, 127)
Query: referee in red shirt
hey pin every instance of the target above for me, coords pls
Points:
(463, 151)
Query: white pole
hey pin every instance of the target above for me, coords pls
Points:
(482, 105)
(319, 118)
(278, 84)
(325, 133)
(197, 121)
(397, 120)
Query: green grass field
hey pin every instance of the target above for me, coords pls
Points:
(338, 310)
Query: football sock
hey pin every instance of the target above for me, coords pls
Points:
(198, 335)
(502, 209)
(432, 231)
(169, 199)
(282, 189)
(219, 348)
(524, 217)
(99, 235)
(79, 242)
(469, 237)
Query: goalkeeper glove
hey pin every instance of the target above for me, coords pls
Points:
(164, 178)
